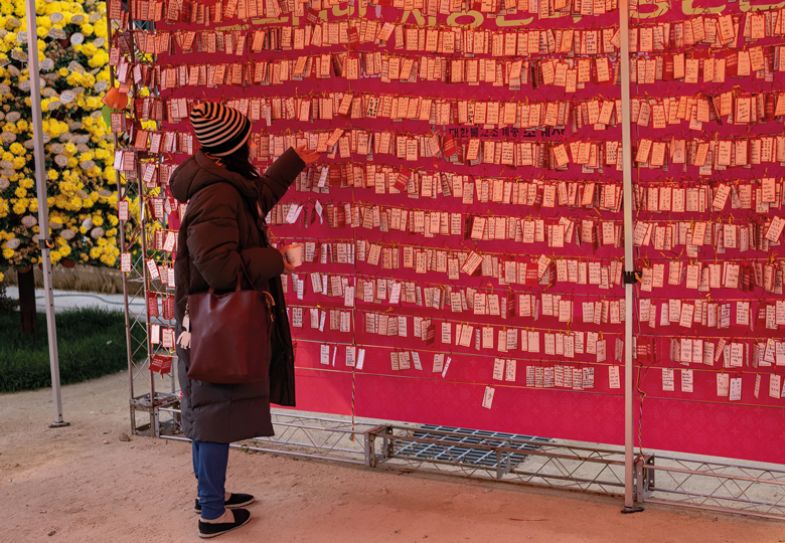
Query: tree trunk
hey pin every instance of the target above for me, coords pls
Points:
(26, 280)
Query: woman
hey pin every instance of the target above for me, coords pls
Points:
(223, 237)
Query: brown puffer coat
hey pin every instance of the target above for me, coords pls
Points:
(221, 231)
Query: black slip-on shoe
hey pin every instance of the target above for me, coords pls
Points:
(208, 530)
(234, 501)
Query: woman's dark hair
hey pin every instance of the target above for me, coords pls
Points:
(240, 162)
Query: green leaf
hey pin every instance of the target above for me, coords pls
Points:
(106, 115)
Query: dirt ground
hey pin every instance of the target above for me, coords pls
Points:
(83, 484)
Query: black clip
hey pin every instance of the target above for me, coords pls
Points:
(630, 277)
(44, 243)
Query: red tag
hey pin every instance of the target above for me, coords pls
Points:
(428, 332)
(402, 181)
(161, 364)
(152, 305)
(115, 10)
(354, 35)
(167, 308)
(173, 220)
(312, 16)
(449, 148)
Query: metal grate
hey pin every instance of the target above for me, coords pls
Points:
(467, 446)
(493, 455)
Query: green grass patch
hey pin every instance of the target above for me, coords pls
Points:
(91, 343)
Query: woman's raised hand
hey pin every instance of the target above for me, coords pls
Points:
(287, 266)
(291, 263)
(306, 155)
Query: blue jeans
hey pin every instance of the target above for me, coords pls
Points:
(210, 461)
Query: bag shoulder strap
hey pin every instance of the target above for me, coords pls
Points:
(184, 340)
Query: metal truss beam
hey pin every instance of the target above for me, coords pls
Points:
(667, 478)
(754, 489)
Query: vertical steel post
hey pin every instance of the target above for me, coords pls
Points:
(629, 266)
(121, 191)
(44, 242)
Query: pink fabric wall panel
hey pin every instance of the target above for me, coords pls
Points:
(708, 420)
(566, 387)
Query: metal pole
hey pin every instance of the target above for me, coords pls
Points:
(121, 192)
(43, 210)
(143, 241)
(629, 266)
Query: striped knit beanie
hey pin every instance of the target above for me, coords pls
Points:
(219, 129)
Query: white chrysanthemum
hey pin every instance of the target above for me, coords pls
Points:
(4, 182)
(28, 221)
(56, 148)
(13, 244)
(47, 65)
(8, 137)
(87, 165)
(77, 38)
(87, 224)
(67, 96)
(18, 54)
(54, 104)
(77, 19)
(61, 160)
(74, 66)
(97, 232)
(56, 17)
(57, 33)
(25, 85)
(13, 116)
(101, 86)
(67, 234)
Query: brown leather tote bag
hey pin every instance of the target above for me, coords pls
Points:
(230, 336)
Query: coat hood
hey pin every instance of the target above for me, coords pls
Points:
(199, 172)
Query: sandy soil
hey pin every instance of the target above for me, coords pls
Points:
(83, 484)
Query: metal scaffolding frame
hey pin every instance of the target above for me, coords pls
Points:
(133, 241)
(750, 488)
(679, 480)
(306, 436)
(499, 456)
